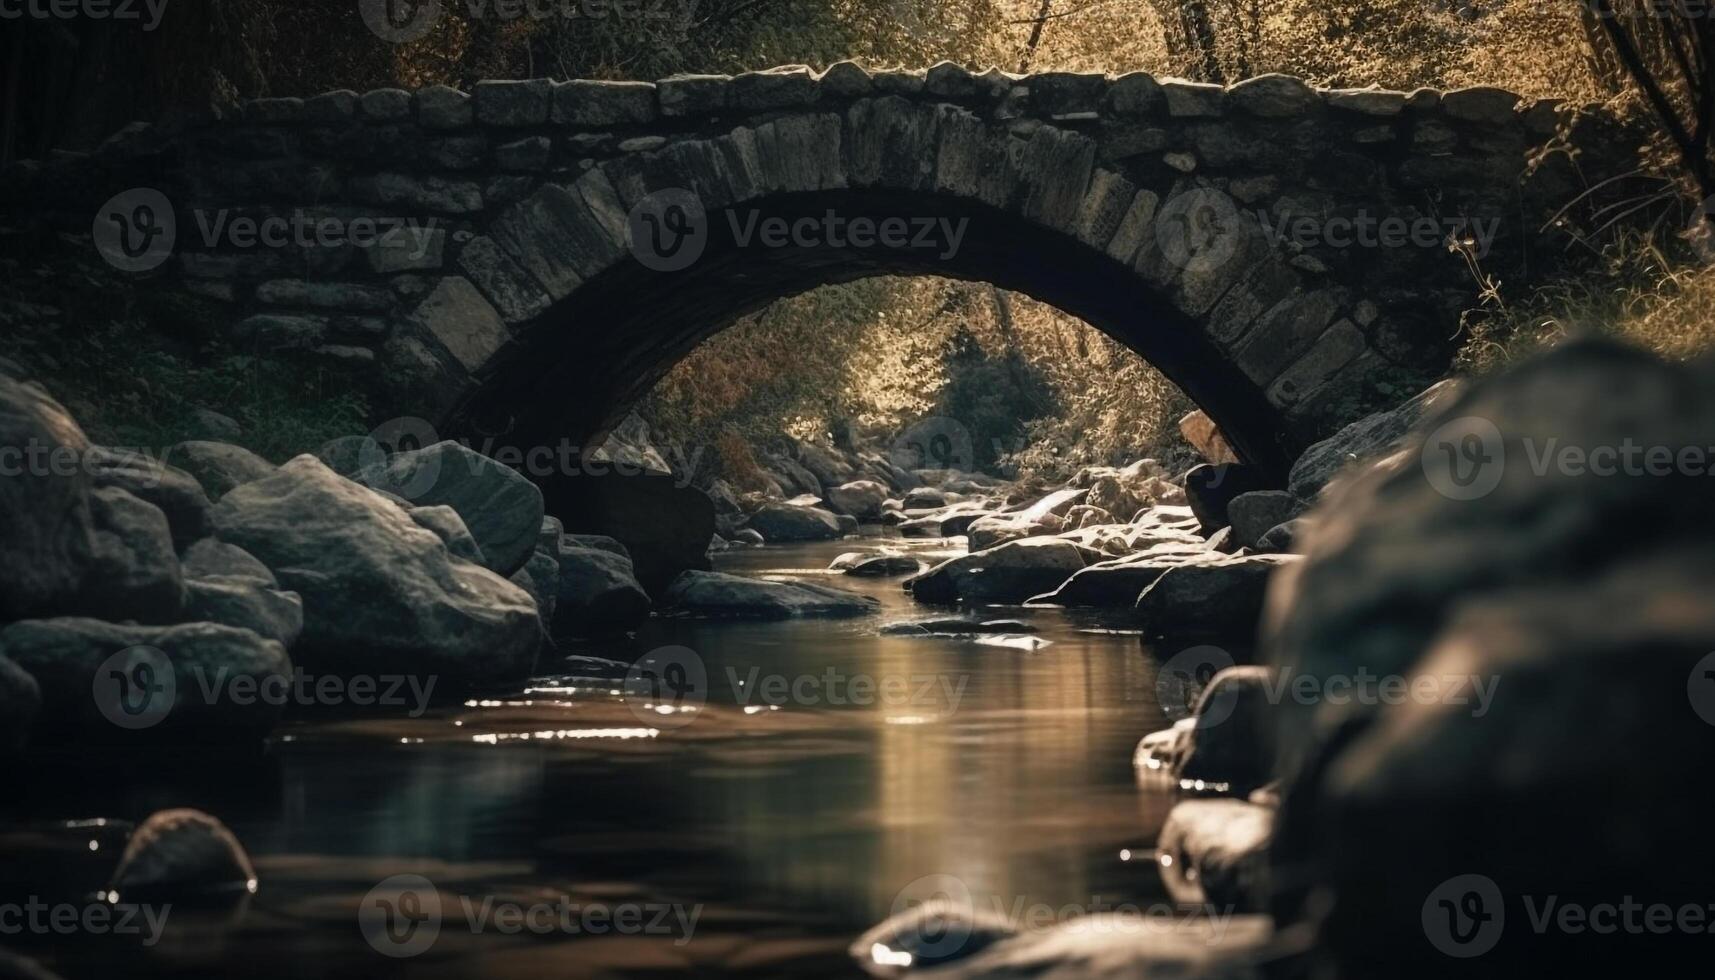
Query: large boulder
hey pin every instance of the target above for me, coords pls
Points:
(664, 525)
(502, 509)
(176, 493)
(47, 536)
(1011, 573)
(180, 679)
(270, 613)
(824, 464)
(1209, 488)
(598, 594)
(1214, 853)
(1231, 747)
(214, 558)
(1364, 441)
(1542, 593)
(720, 596)
(1252, 515)
(218, 466)
(133, 572)
(783, 523)
(20, 699)
(540, 577)
(861, 499)
(381, 594)
(181, 856)
(1211, 598)
(447, 525)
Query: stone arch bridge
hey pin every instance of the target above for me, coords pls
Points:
(547, 250)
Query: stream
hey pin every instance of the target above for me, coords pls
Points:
(827, 777)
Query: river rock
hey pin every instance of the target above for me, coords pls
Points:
(1209, 488)
(540, 577)
(47, 535)
(793, 477)
(450, 528)
(1127, 491)
(1231, 747)
(1117, 583)
(884, 566)
(717, 595)
(1215, 853)
(1252, 515)
(212, 558)
(747, 536)
(182, 855)
(1280, 538)
(133, 573)
(925, 498)
(664, 525)
(1583, 601)
(20, 699)
(1365, 441)
(176, 493)
(218, 467)
(66, 657)
(595, 542)
(381, 594)
(953, 626)
(861, 499)
(1011, 573)
(599, 594)
(502, 509)
(269, 613)
(784, 523)
(1221, 598)
(548, 538)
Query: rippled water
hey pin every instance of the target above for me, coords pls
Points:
(789, 830)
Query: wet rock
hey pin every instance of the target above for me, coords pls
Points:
(268, 612)
(1116, 584)
(1160, 753)
(848, 524)
(447, 525)
(716, 595)
(1215, 853)
(945, 523)
(883, 566)
(47, 536)
(932, 935)
(218, 467)
(381, 594)
(1230, 749)
(182, 855)
(1222, 598)
(132, 572)
(540, 577)
(1211, 487)
(747, 536)
(1253, 515)
(176, 493)
(956, 627)
(1364, 441)
(502, 509)
(599, 594)
(926, 498)
(1011, 573)
(861, 499)
(782, 523)
(68, 656)
(20, 699)
(1581, 600)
